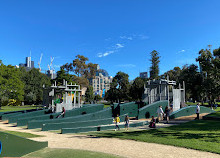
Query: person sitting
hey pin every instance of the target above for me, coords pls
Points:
(152, 123)
(62, 113)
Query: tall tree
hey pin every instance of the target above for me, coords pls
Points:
(154, 69)
(64, 75)
(205, 60)
(119, 87)
(80, 65)
(34, 81)
(11, 86)
(137, 89)
(89, 94)
(193, 81)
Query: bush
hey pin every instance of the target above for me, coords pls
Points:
(13, 102)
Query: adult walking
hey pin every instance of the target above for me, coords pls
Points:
(197, 111)
(126, 122)
(160, 113)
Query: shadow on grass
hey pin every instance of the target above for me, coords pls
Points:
(205, 130)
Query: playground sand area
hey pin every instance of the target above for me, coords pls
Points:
(122, 148)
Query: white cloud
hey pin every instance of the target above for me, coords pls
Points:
(143, 37)
(127, 65)
(181, 51)
(105, 54)
(135, 36)
(118, 45)
(126, 37)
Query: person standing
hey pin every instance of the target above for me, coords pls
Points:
(197, 111)
(167, 113)
(117, 121)
(160, 113)
(126, 122)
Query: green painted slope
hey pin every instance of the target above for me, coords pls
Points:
(189, 110)
(105, 113)
(14, 146)
(69, 113)
(151, 110)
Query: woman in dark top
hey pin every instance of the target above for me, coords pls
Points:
(167, 112)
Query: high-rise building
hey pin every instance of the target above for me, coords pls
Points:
(28, 65)
(28, 62)
(101, 83)
(143, 75)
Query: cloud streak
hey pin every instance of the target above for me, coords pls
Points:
(127, 65)
(105, 54)
(126, 37)
(182, 51)
(116, 47)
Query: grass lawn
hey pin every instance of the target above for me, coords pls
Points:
(68, 153)
(16, 108)
(21, 134)
(106, 106)
(216, 114)
(201, 135)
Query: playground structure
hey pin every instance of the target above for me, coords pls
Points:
(66, 95)
(162, 89)
(92, 117)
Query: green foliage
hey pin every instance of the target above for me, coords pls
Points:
(11, 86)
(13, 102)
(210, 69)
(137, 89)
(81, 69)
(119, 88)
(64, 75)
(154, 69)
(193, 81)
(89, 94)
(34, 81)
(98, 98)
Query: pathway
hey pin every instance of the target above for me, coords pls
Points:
(125, 148)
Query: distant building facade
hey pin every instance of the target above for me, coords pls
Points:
(28, 65)
(101, 83)
(143, 75)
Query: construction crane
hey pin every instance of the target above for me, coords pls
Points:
(51, 62)
(40, 62)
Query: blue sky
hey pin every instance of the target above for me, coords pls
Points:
(116, 34)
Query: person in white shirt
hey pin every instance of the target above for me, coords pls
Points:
(160, 113)
(197, 111)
